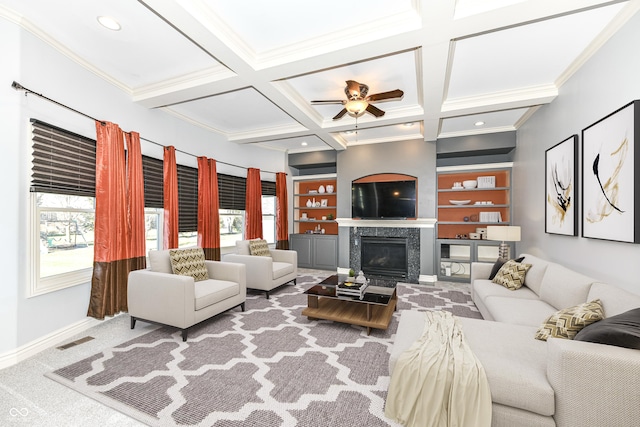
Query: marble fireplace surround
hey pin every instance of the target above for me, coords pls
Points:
(409, 229)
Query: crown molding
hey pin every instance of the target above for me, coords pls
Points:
(186, 81)
(28, 26)
(496, 129)
(525, 97)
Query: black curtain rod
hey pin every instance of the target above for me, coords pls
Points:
(18, 86)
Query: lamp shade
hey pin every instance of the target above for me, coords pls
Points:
(504, 233)
(356, 107)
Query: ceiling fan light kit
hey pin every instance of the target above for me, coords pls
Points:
(358, 101)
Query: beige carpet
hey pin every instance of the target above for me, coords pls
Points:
(268, 366)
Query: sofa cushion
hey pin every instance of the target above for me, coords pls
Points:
(515, 364)
(518, 311)
(564, 288)
(498, 264)
(189, 262)
(567, 322)
(511, 274)
(483, 288)
(614, 299)
(259, 247)
(211, 291)
(622, 330)
(160, 262)
(533, 279)
(242, 247)
(281, 269)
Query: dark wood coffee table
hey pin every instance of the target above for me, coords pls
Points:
(374, 310)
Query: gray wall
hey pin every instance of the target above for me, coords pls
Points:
(414, 157)
(605, 83)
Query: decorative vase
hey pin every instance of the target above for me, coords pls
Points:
(321, 189)
(329, 188)
(309, 203)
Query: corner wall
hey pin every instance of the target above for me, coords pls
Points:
(605, 83)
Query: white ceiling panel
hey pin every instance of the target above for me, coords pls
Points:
(497, 121)
(268, 25)
(144, 51)
(399, 132)
(466, 8)
(239, 111)
(297, 144)
(381, 75)
(524, 56)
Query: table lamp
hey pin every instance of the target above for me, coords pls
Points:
(504, 233)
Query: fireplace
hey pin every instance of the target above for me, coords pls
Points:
(384, 256)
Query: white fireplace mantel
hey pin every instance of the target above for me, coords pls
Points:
(392, 223)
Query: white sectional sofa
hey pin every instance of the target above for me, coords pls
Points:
(544, 383)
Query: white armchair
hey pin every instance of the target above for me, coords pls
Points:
(266, 273)
(159, 296)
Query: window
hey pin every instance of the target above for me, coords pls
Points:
(63, 248)
(153, 222)
(269, 218)
(62, 209)
(231, 227)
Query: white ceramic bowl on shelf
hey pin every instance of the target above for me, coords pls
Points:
(471, 183)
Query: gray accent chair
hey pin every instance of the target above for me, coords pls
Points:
(159, 296)
(266, 273)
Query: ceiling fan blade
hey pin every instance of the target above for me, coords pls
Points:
(375, 110)
(353, 89)
(340, 114)
(385, 95)
(328, 101)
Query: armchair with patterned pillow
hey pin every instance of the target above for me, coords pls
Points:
(180, 288)
(267, 268)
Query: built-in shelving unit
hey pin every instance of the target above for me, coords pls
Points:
(315, 228)
(314, 206)
(462, 212)
(462, 220)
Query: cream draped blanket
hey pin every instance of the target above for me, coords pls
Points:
(438, 381)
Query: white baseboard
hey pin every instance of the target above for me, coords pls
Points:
(34, 347)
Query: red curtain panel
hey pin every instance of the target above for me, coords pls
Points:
(170, 199)
(110, 269)
(212, 252)
(208, 216)
(135, 196)
(253, 206)
(282, 213)
(204, 202)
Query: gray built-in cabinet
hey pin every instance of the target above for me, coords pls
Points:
(316, 250)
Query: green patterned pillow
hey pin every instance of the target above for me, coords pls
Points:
(568, 322)
(511, 274)
(259, 247)
(189, 262)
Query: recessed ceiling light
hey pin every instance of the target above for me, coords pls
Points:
(479, 123)
(408, 124)
(109, 22)
(304, 143)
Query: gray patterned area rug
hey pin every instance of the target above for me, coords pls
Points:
(268, 366)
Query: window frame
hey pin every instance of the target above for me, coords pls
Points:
(42, 285)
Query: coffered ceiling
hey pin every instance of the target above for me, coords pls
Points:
(249, 69)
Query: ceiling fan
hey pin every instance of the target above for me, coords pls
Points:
(358, 101)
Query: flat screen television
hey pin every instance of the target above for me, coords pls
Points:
(393, 199)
